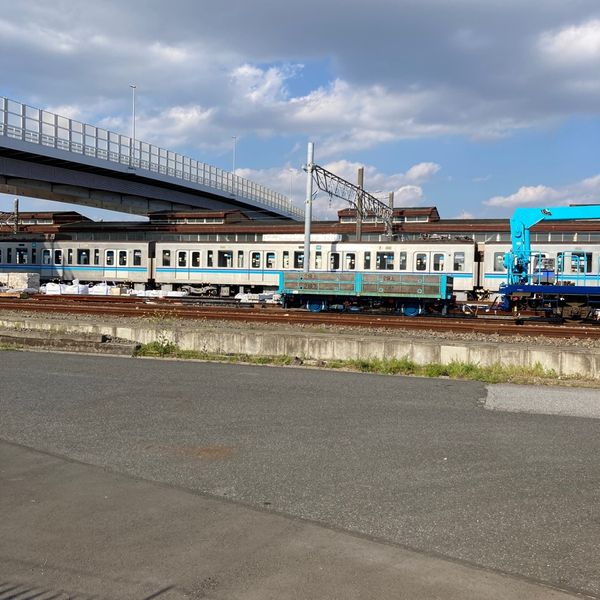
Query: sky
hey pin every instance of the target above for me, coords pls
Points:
(474, 106)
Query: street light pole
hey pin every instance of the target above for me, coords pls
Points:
(133, 87)
(292, 173)
(234, 138)
(233, 181)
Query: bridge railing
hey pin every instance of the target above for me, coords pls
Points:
(37, 126)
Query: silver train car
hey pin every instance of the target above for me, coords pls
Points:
(127, 262)
(246, 266)
(227, 268)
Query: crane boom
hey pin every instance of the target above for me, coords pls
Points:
(517, 260)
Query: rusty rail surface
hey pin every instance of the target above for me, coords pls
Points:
(174, 308)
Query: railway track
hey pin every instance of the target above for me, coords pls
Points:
(175, 309)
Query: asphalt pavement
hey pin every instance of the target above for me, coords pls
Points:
(391, 471)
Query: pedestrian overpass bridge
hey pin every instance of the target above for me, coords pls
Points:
(44, 155)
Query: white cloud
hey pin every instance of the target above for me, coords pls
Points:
(464, 215)
(421, 172)
(408, 195)
(572, 45)
(173, 54)
(586, 191)
(261, 86)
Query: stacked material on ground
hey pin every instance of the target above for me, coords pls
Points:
(21, 282)
(158, 294)
(57, 289)
(267, 298)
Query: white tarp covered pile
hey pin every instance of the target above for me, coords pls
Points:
(158, 294)
(20, 282)
(101, 289)
(266, 298)
(75, 288)
(58, 289)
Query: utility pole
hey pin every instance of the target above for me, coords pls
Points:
(310, 159)
(359, 203)
(16, 211)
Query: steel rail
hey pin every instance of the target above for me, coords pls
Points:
(134, 307)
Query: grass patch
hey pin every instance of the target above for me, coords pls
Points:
(393, 366)
(9, 347)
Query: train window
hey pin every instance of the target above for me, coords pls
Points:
(318, 259)
(459, 261)
(499, 262)
(195, 259)
(83, 257)
(421, 261)
(438, 261)
(166, 258)
(0, 255)
(576, 262)
(538, 261)
(334, 261)
(46, 257)
(96, 256)
(225, 258)
(21, 256)
(122, 258)
(270, 260)
(182, 259)
(34, 255)
(286, 259)
(137, 258)
(110, 258)
(240, 260)
(58, 257)
(350, 261)
(402, 265)
(299, 259)
(255, 260)
(384, 261)
(367, 260)
(209, 258)
(69, 256)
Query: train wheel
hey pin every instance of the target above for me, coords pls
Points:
(411, 310)
(315, 305)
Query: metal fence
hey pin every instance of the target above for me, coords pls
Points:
(28, 124)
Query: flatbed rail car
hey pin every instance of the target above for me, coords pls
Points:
(407, 294)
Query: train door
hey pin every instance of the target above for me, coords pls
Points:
(431, 262)
(182, 263)
(122, 264)
(256, 273)
(57, 258)
(110, 264)
(438, 261)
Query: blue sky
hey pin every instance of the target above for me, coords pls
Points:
(473, 106)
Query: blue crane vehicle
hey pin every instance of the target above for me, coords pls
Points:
(550, 284)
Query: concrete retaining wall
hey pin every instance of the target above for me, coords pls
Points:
(564, 360)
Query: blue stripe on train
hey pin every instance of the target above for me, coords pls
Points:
(278, 272)
(30, 267)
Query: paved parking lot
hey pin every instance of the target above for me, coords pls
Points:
(414, 462)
